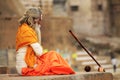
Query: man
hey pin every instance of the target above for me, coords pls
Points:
(113, 60)
(29, 57)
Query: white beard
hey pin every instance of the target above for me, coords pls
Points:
(38, 32)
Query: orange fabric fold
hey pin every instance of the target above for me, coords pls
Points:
(25, 36)
(48, 63)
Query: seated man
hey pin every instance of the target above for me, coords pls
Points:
(30, 59)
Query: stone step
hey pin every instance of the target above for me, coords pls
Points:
(82, 53)
(6, 70)
(104, 66)
(3, 69)
(93, 62)
(84, 61)
(111, 70)
(77, 76)
(85, 58)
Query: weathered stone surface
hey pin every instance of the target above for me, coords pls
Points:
(3, 70)
(3, 58)
(11, 57)
(77, 76)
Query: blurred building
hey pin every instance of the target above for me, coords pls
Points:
(46, 5)
(90, 17)
(30, 3)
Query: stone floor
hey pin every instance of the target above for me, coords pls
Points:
(77, 76)
(116, 76)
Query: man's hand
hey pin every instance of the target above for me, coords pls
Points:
(100, 69)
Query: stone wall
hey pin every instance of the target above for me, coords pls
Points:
(8, 61)
(90, 17)
(47, 6)
(3, 58)
(55, 32)
(100, 17)
(114, 6)
(8, 29)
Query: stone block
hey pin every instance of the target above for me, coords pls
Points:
(3, 58)
(3, 70)
(77, 76)
(11, 57)
(12, 70)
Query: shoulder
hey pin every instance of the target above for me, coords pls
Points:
(24, 27)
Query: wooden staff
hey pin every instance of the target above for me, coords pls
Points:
(84, 48)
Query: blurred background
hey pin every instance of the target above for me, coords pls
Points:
(96, 23)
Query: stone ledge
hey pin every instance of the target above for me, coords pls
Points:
(3, 70)
(77, 76)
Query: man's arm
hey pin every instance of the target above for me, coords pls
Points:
(37, 48)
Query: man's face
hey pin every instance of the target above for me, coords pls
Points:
(38, 20)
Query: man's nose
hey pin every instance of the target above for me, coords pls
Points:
(39, 22)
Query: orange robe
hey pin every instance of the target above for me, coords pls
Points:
(48, 63)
